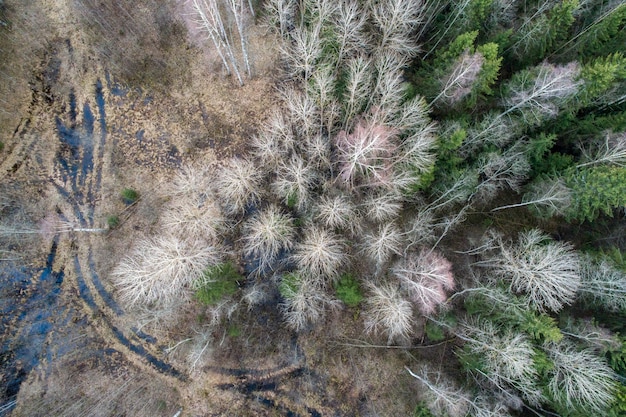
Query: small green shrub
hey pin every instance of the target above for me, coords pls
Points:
(113, 221)
(434, 332)
(289, 285)
(233, 331)
(129, 196)
(292, 200)
(348, 290)
(217, 282)
(1, 146)
(422, 411)
(618, 408)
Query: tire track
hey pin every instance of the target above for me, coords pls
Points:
(80, 170)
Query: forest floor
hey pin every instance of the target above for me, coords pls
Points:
(77, 128)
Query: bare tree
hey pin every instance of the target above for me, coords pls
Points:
(413, 117)
(445, 397)
(349, 27)
(281, 14)
(238, 184)
(53, 224)
(459, 82)
(539, 93)
(380, 245)
(611, 151)
(598, 339)
(501, 170)
(275, 140)
(200, 346)
(336, 212)
(161, 269)
(266, 235)
(304, 304)
(193, 209)
(358, 87)
(506, 359)
(388, 87)
(320, 255)
(397, 21)
(304, 113)
(547, 271)
(602, 283)
(210, 20)
(185, 218)
(550, 197)
(322, 89)
(580, 380)
(318, 151)
(366, 154)
(303, 52)
(387, 312)
(425, 276)
(238, 11)
(536, 94)
(382, 206)
(294, 183)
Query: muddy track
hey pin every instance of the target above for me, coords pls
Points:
(43, 311)
(79, 170)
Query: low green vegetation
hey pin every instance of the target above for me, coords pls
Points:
(129, 196)
(348, 290)
(113, 221)
(217, 282)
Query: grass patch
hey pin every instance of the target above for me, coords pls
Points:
(348, 290)
(129, 196)
(233, 331)
(113, 221)
(217, 282)
(289, 285)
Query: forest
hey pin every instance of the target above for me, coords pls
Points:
(312, 207)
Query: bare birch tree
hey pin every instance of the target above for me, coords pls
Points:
(336, 212)
(238, 10)
(380, 245)
(350, 21)
(161, 270)
(580, 380)
(397, 21)
(210, 21)
(547, 271)
(238, 185)
(459, 82)
(366, 154)
(549, 197)
(603, 283)
(304, 304)
(281, 14)
(321, 255)
(539, 93)
(388, 313)
(425, 276)
(445, 397)
(294, 183)
(506, 359)
(266, 235)
(358, 85)
(611, 151)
